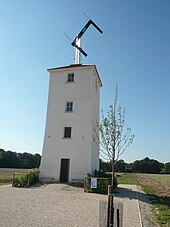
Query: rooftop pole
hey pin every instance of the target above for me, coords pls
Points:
(78, 54)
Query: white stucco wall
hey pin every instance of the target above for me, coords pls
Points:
(80, 148)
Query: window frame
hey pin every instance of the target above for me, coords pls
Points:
(70, 78)
(69, 106)
(67, 134)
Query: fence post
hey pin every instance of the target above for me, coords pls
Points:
(85, 184)
(13, 179)
(28, 182)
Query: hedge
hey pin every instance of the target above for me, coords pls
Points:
(27, 180)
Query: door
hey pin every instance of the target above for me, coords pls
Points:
(64, 170)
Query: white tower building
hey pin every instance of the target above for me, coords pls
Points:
(69, 150)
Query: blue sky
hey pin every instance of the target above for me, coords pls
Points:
(133, 51)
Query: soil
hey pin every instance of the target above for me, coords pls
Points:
(161, 189)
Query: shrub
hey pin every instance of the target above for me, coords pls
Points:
(104, 174)
(29, 179)
(103, 180)
(102, 184)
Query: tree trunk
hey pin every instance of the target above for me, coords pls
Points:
(113, 173)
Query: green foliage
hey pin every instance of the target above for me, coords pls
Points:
(6, 174)
(29, 179)
(161, 206)
(107, 175)
(103, 180)
(167, 167)
(9, 159)
(163, 214)
(102, 185)
(147, 165)
(105, 166)
(148, 190)
(20, 181)
(120, 166)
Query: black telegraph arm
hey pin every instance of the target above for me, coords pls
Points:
(80, 49)
(81, 33)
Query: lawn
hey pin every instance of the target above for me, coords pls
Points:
(127, 178)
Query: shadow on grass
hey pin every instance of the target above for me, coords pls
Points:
(149, 198)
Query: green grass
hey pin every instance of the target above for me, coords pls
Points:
(148, 190)
(127, 178)
(163, 214)
(160, 204)
(162, 178)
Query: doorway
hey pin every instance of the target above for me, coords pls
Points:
(64, 170)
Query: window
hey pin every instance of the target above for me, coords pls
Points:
(69, 106)
(67, 132)
(70, 77)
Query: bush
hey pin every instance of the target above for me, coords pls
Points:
(104, 174)
(102, 185)
(103, 180)
(29, 179)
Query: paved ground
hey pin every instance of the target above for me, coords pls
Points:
(128, 195)
(62, 205)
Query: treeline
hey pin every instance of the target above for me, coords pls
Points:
(145, 165)
(9, 159)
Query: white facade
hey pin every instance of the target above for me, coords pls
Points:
(72, 106)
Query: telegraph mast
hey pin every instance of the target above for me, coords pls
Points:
(77, 41)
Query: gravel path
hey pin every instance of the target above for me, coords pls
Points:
(57, 205)
(128, 195)
(147, 216)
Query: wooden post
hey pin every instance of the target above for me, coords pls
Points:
(28, 185)
(13, 179)
(85, 185)
(111, 210)
(110, 204)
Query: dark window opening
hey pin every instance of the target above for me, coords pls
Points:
(70, 77)
(67, 132)
(69, 106)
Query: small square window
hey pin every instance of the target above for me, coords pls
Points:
(70, 77)
(67, 132)
(69, 106)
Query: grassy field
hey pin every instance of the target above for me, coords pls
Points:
(127, 178)
(162, 178)
(6, 174)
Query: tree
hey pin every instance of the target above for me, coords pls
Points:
(113, 139)
(9, 159)
(105, 166)
(147, 165)
(167, 167)
(120, 166)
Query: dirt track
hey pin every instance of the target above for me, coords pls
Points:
(161, 189)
